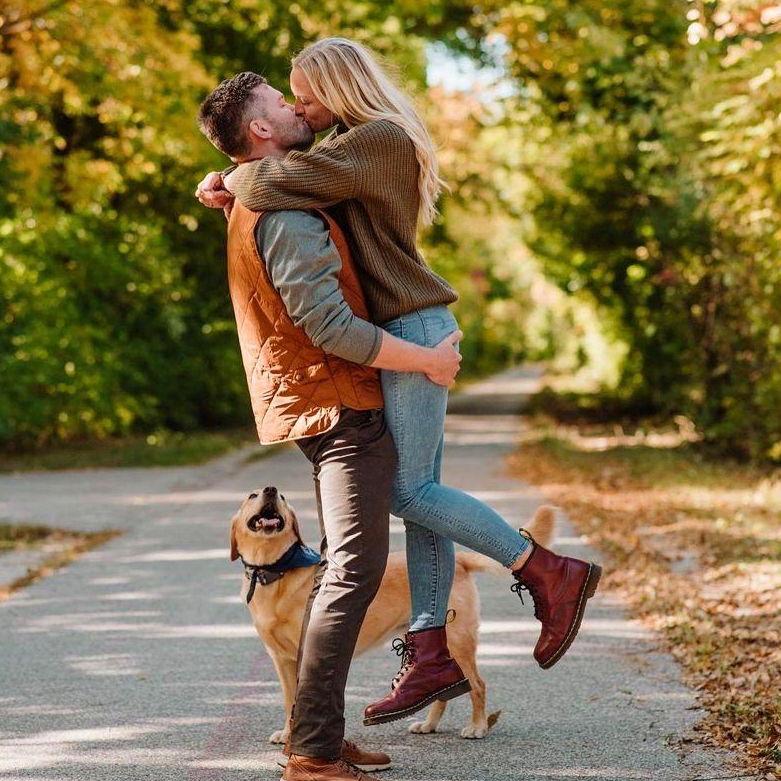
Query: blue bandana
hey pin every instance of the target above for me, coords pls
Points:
(296, 556)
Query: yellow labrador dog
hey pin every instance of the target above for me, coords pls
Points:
(265, 531)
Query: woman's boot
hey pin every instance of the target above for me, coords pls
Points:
(427, 673)
(560, 587)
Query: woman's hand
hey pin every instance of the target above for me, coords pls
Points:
(445, 361)
(211, 192)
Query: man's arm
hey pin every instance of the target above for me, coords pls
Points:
(304, 265)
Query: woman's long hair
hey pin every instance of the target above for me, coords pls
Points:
(349, 81)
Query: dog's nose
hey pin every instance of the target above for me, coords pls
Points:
(269, 490)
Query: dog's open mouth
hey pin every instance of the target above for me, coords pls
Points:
(268, 521)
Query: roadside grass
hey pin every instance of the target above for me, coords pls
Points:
(59, 547)
(164, 448)
(14, 536)
(694, 544)
(264, 452)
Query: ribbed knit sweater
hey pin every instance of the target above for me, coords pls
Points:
(367, 178)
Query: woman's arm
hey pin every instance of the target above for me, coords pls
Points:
(318, 178)
(335, 170)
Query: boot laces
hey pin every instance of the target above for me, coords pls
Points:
(519, 587)
(348, 767)
(406, 650)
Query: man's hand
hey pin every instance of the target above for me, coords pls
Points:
(211, 192)
(445, 361)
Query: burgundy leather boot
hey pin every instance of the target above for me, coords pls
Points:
(560, 587)
(427, 673)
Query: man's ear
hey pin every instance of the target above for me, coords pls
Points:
(260, 129)
(234, 546)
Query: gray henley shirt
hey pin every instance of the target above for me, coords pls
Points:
(304, 266)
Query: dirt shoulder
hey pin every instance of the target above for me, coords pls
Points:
(162, 448)
(694, 545)
(42, 550)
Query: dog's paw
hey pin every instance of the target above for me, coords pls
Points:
(422, 728)
(280, 736)
(474, 731)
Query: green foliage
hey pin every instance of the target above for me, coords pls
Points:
(635, 164)
(115, 314)
(105, 327)
(648, 134)
(733, 130)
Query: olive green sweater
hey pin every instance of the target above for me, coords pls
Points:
(367, 177)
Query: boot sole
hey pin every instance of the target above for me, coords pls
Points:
(589, 589)
(448, 693)
(366, 768)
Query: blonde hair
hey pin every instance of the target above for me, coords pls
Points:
(348, 80)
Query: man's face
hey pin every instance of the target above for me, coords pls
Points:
(277, 121)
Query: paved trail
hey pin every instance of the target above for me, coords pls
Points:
(139, 662)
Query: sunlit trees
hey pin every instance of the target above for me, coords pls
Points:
(99, 156)
(115, 315)
(633, 158)
(650, 134)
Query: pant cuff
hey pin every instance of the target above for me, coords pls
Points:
(317, 752)
(513, 556)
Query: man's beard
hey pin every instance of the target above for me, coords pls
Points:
(298, 136)
(302, 146)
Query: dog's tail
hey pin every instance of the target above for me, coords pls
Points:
(541, 527)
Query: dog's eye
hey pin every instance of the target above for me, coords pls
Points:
(253, 496)
(282, 497)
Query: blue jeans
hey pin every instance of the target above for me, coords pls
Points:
(434, 515)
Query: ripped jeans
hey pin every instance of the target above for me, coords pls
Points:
(435, 516)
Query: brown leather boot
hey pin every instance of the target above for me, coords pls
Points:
(363, 760)
(559, 586)
(300, 768)
(427, 673)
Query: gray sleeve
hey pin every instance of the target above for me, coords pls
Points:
(304, 265)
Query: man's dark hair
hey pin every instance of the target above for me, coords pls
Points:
(221, 116)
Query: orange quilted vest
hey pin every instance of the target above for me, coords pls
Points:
(296, 389)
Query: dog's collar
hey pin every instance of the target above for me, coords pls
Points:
(296, 556)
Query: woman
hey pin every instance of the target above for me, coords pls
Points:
(377, 171)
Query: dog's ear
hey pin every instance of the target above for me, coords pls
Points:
(234, 545)
(294, 522)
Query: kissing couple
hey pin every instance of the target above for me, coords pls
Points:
(349, 349)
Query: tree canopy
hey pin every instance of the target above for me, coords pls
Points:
(627, 165)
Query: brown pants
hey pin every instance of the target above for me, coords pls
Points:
(353, 464)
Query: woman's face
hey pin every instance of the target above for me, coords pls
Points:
(317, 116)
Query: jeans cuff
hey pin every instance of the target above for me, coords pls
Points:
(523, 546)
(419, 625)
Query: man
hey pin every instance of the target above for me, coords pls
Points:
(311, 359)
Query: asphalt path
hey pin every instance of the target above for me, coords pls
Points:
(139, 660)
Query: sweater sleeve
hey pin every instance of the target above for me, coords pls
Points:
(318, 178)
(345, 166)
(304, 265)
